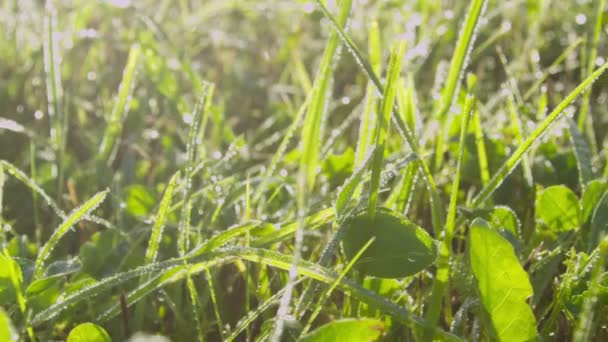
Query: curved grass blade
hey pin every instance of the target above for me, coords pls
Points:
(121, 107)
(77, 215)
(347, 190)
(161, 218)
(54, 90)
(516, 156)
(466, 40)
(482, 155)
(196, 307)
(383, 122)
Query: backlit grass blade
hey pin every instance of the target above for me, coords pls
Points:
(466, 40)
(347, 190)
(161, 218)
(313, 122)
(482, 155)
(121, 107)
(383, 122)
(54, 90)
(599, 14)
(541, 128)
(196, 307)
(366, 126)
(519, 138)
(279, 154)
(443, 262)
(77, 215)
(194, 139)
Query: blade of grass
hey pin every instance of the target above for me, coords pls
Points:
(582, 152)
(161, 218)
(54, 90)
(196, 307)
(599, 14)
(442, 276)
(77, 215)
(459, 63)
(517, 130)
(383, 122)
(482, 155)
(121, 107)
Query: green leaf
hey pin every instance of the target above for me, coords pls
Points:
(401, 248)
(139, 201)
(558, 208)
(502, 283)
(7, 332)
(88, 332)
(353, 330)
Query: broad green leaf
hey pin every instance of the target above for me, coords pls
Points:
(599, 222)
(591, 196)
(139, 201)
(558, 208)
(352, 330)
(502, 283)
(7, 331)
(88, 332)
(77, 215)
(400, 248)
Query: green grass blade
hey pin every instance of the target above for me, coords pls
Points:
(443, 263)
(458, 65)
(383, 122)
(77, 215)
(121, 107)
(482, 155)
(194, 139)
(196, 307)
(516, 157)
(161, 218)
(353, 182)
(366, 126)
(582, 116)
(517, 130)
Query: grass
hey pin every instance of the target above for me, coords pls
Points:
(197, 170)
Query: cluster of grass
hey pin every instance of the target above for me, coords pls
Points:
(303, 170)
